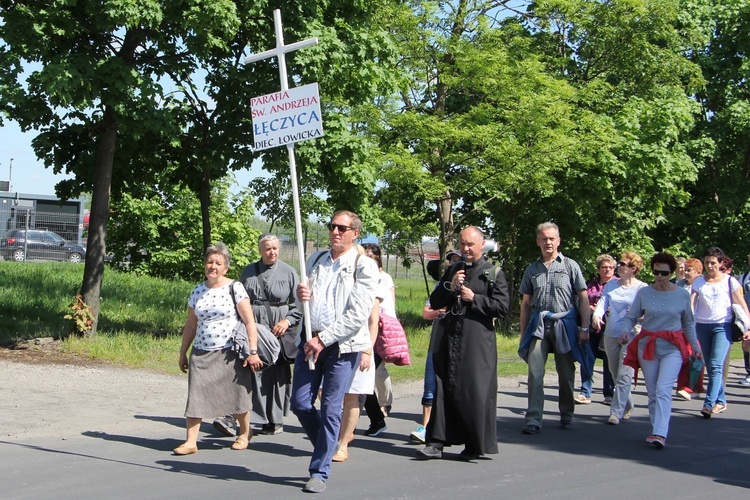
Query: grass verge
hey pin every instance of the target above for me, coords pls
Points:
(141, 318)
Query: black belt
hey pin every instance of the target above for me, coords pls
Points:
(260, 302)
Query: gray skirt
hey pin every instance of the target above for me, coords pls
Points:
(218, 384)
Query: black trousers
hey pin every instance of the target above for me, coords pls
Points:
(372, 405)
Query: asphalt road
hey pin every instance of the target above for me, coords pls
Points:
(703, 459)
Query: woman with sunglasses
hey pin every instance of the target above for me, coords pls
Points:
(617, 297)
(712, 298)
(660, 349)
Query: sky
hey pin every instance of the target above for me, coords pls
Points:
(29, 175)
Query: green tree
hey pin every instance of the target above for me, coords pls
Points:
(159, 232)
(626, 61)
(78, 70)
(139, 86)
(510, 114)
(718, 212)
(477, 119)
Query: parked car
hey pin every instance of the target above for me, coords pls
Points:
(42, 245)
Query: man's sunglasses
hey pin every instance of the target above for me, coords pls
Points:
(661, 273)
(342, 228)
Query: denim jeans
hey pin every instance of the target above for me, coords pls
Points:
(715, 341)
(595, 340)
(333, 370)
(430, 382)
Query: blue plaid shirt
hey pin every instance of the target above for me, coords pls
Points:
(550, 288)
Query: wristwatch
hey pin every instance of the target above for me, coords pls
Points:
(585, 329)
(253, 352)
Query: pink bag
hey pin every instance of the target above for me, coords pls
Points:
(391, 344)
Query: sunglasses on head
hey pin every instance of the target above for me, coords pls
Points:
(342, 228)
(661, 273)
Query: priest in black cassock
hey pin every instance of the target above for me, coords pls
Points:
(464, 410)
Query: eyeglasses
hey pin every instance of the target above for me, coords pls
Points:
(625, 264)
(661, 273)
(342, 228)
(606, 267)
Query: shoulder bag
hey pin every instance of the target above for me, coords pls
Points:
(740, 322)
(269, 346)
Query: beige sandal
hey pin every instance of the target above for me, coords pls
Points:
(341, 455)
(184, 449)
(241, 443)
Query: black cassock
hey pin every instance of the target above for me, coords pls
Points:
(464, 350)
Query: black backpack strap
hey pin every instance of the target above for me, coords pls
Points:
(315, 262)
(234, 299)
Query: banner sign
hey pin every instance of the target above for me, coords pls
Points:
(287, 116)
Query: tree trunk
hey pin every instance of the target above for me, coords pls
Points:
(445, 213)
(205, 198)
(93, 271)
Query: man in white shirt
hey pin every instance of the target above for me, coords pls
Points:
(341, 291)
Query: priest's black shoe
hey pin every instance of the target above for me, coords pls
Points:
(468, 455)
(429, 452)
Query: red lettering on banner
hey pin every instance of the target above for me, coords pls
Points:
(265, 99)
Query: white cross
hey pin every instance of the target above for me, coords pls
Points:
(281, 49)
(280, 53)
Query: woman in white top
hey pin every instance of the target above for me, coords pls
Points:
(378, 404)
(712, 296)
(617, 297)
(219, 382)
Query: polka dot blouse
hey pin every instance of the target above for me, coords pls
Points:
(216, 315)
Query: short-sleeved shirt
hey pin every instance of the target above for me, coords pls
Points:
(713, 303)
(216, 314)
(553, 289)
(385, 293)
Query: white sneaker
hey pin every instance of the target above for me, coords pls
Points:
(745, 381)
(419, 434)
(684, 394)
(613, 420)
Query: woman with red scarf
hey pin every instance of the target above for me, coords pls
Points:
(660, 349)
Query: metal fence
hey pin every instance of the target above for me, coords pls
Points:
(392, 264)
(34, 235)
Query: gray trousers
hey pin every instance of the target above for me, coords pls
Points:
(622, 401)
(539, 349)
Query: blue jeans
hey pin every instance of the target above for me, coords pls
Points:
(430, 382)
(333, 370)
(608, 383)
(715, 341)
